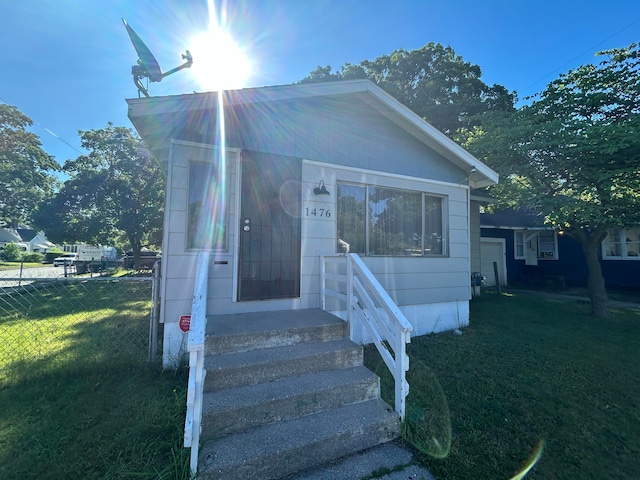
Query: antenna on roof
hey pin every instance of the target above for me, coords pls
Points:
(147, 66)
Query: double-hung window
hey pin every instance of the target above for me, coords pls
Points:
(622, 243)
(518, 245)
(544, 243)
(547, 247)
(374, 220)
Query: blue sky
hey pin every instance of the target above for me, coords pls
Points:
(67, 63)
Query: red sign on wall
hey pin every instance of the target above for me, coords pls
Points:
(185, 322)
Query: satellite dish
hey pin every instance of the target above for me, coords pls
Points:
(147, 66)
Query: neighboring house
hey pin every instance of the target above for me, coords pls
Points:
(527, 252)
(31, 240)
(9, 235)
(297, 171)
(37, 241)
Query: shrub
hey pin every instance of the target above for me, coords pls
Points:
(52, 254)
(11, 253)
(33, 257)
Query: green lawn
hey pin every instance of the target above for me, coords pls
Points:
(86, 404)
(526, 370)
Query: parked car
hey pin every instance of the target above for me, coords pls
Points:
(148, 258)
(67, 259)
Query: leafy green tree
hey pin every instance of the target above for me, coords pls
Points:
(432, 81)
(574, 152)
(113, 190)
(26, 171)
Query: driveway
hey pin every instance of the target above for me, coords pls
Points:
(14, 277)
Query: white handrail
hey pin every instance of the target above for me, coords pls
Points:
(195, 346)
(368, 303)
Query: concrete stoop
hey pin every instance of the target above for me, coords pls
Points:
(286, 392)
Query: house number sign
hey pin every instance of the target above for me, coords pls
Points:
(312, 211)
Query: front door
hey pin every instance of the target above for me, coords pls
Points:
(270, 201)
(531, 248)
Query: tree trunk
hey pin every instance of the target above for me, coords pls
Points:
(135, 247)
(595, 282)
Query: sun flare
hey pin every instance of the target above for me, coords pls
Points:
(219, 63)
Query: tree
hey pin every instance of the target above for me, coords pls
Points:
(114, 189)
(574, 152)
(26, 171)
(432, 81)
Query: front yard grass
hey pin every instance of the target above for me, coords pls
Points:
(530, 370)
(526, 370)
(86, 404)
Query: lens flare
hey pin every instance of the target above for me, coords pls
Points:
(220, 63)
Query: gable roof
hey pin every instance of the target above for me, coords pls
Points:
(146, 114)
(523, 218)
(8, 236)
(26, 234)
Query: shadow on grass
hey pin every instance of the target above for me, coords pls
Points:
(61, 298)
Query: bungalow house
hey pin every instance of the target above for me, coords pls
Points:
(38, 242)
(528, 252)
(336, 165)
(27, 238)
(278, 185)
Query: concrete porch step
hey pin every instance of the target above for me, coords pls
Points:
(280, 449)
(251, 331)
(267, 364)
(236, 409)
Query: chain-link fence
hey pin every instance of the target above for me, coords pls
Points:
(47, 317)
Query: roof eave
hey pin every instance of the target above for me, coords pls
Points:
(478, 174)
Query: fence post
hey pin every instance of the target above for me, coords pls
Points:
(153, 315)
(497, 276)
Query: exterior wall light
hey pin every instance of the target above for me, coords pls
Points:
(321, 189)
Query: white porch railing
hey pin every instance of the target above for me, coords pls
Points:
(195, 346)
(347, 279)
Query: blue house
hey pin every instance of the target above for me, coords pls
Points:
(526, 251)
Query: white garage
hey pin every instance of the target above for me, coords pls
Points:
(493, 250)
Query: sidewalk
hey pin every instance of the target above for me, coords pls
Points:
(565, 297)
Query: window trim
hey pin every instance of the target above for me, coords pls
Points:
(522, 235)
(516, 234)
(555, 245)
(605, 246)
(423, 195)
